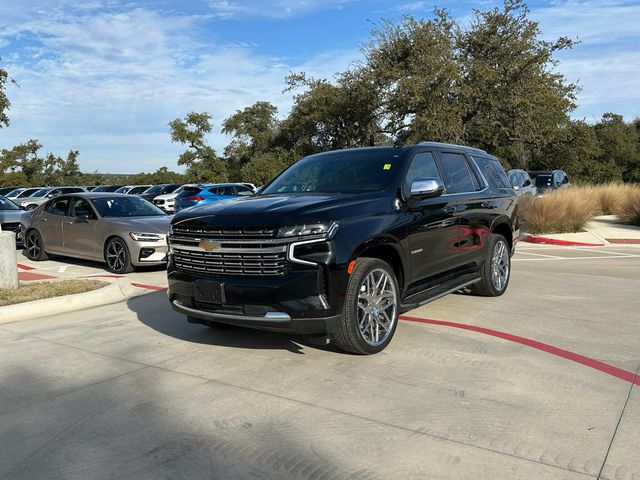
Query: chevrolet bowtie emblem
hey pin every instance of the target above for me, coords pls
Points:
(208, 245)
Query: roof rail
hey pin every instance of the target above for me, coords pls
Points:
(452, 145)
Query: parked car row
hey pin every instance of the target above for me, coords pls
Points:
(536, 183)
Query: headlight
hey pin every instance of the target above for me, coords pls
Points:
(328, 229)
(147, 237)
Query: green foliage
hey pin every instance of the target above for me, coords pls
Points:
(253, 129)
(162, 175)
(4, 101)
(264, 166)
(22, 165)
(203, 165)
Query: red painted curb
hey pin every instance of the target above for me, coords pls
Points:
(149, 287)
(625, 375)
(552, 241)
(25, 267)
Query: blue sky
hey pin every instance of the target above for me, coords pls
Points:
(106, 76)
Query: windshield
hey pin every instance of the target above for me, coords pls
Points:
(6, 204)
(156, 189)
(125, 207)
(42, 192)
(354, 171)
(15, 193)
(28, 192)
(543, 181)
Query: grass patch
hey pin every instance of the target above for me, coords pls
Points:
(39, 290)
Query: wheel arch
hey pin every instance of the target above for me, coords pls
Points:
(387, 250)
(504, 228)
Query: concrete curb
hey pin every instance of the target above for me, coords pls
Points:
(112, 293)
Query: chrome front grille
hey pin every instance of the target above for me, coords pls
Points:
(241, 264)
(219, 256)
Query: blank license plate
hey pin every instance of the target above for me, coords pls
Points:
(209, 292)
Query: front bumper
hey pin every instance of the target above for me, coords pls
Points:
(148, 253)
(295, 303)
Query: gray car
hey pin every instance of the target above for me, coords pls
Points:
(11, 217)
(123, 231)
(522, 183)
(41, 196)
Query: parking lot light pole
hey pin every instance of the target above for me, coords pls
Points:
(8, 261)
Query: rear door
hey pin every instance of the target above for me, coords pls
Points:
(431, 224)
(79, 229)
(473, 200)
(50, 223)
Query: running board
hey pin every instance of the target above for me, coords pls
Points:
(418, 299)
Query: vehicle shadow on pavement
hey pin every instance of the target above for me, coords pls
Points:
(153, 310)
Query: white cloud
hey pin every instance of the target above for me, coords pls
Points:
(272, 8)
(107, 84)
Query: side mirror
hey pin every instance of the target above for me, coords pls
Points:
(516, 187)
(83, 218)
(426, 187)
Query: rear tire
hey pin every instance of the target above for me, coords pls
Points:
(117, 256)
(495, 270)
(34, 246)
(371, 308)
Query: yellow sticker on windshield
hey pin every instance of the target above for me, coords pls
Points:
(387, 166)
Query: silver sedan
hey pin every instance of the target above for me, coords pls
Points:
(120, 230)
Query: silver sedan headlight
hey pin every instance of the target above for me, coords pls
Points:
(147, 237)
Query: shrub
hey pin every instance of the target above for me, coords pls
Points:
(629, 209)
(562, 211)
(611, 196)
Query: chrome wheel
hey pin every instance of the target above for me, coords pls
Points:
(500, 266)
(116, 256)
(377, 307)
(34, 245)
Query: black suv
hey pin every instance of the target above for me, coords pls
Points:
(342, 242)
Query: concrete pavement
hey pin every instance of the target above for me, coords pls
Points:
(133, 391)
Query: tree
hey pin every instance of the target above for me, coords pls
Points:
(4, 101)
(203, 165)
(264, 166)
(23, 157)
(253, 128)
(620, 144)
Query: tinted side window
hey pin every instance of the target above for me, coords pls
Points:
(422, 165)
(244, 191)
(492, 171)
(58, 206)
(565, 180)
(459, 178)
(80, 207)
(223, 191)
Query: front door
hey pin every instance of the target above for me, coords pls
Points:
(432, 225)
(50, 223)
(79, 229)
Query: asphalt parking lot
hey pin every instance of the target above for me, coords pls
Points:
(540, 383)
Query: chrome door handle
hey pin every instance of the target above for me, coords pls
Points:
(486, 204)
(450, 209)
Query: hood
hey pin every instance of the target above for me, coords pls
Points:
(166, 196)
(282, 209)
(159, 224)
(32, 200)
(12, 216)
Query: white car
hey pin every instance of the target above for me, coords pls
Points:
(167, 201)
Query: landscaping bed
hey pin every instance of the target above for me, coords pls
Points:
(40, 290)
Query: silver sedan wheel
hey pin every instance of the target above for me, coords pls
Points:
(377, 307)
(500, 266)
(116, 255)
(34, 246)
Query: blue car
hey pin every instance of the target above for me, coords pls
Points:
(193, 195)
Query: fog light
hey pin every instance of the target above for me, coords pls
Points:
(146, 252)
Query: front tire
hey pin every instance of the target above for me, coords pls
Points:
(495, 270)
(117, 256)
(370, 315)
(34, 246)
